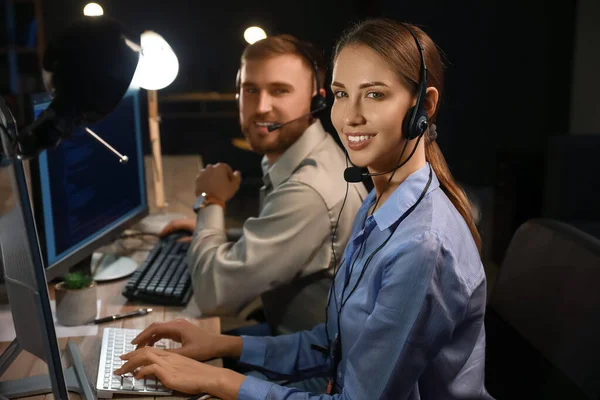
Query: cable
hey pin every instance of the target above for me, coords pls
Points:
(335, 264)
(332, 290)
(338, 350)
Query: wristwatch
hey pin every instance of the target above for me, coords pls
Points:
(204, 200)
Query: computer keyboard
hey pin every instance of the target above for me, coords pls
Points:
(163, 278)
(116, 342)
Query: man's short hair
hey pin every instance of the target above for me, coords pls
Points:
(273, 46)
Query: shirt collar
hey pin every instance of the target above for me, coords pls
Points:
(284, 167)
(404, 197)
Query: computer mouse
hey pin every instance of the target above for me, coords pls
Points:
(176, 235)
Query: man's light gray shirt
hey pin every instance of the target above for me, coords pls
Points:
(285, 254)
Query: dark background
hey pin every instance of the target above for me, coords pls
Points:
(519, 121)
(510, 74)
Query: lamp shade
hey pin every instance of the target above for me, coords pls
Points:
(158, 65)
(89, 67)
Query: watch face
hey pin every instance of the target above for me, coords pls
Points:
(198, 203)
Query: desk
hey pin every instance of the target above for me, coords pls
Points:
(89, 347)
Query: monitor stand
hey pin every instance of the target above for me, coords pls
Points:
(75, 376)
(108, 266)
(103, 267)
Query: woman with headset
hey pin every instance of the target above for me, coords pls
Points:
(405, 316)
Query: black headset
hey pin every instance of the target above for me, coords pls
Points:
(416, 120)
(318, 102)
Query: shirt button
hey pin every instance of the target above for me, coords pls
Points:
(339, 374)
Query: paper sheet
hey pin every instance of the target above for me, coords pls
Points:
(7, 329)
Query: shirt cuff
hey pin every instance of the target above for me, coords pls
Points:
(211, 217)
(254, 388)
(253, 351)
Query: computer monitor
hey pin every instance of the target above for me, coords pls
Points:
(83, 196)
(28, 293)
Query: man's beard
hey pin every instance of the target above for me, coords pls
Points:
(286, 137)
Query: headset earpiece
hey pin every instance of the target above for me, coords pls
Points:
(318, 102)
(415, 122)
(407, 131)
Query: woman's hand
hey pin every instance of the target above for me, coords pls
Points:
(181, 373)
(195, 342)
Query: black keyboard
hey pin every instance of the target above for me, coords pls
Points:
(163, 278)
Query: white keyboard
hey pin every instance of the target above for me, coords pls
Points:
(116, 342)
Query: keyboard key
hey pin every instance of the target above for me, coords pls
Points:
(116, 382)
(138, 384)
(151, 384)
(127, 383)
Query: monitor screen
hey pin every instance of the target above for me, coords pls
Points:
(84, 194)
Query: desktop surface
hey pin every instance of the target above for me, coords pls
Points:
(112, 302)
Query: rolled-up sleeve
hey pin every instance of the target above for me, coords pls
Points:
(274, 248)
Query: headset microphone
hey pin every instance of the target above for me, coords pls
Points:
(274, 127)
(356, 174)
(353, 174)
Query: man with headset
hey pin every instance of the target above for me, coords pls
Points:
(287, 253)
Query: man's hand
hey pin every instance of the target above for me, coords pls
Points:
(182, 224)
(218, 180)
